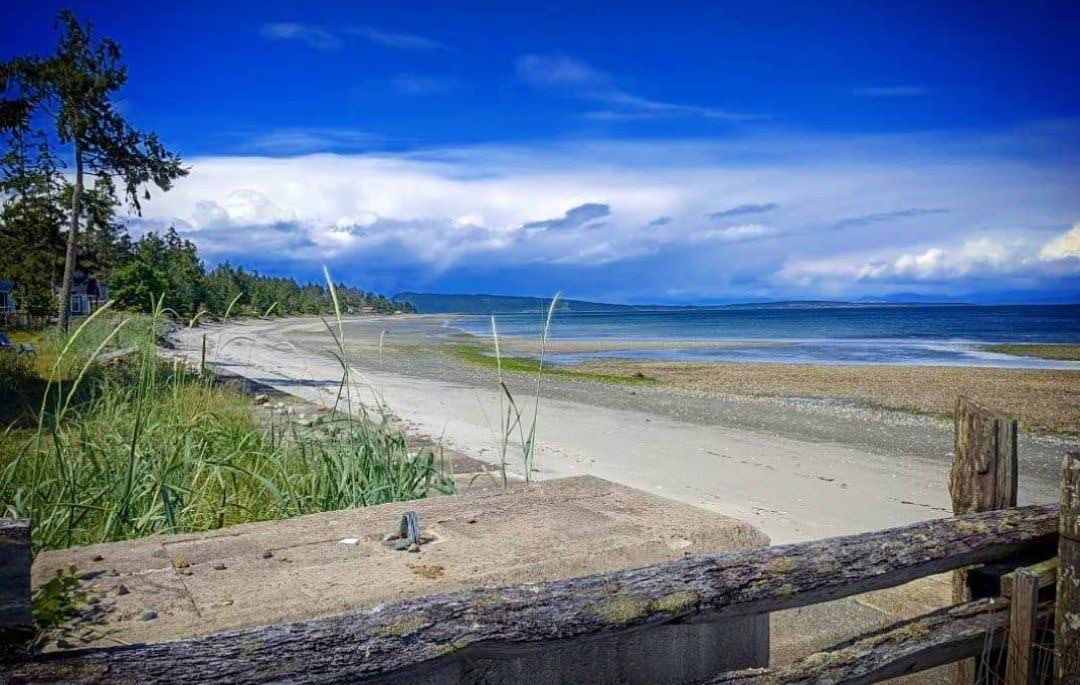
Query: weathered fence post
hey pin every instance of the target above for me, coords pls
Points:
(202, 359)
(983, 478)
(1023, 618)
(15, 618)
(1067, 611)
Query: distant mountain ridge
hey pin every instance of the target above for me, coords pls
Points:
(437, 303)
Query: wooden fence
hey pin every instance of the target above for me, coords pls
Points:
(22, 321)
(1007, 583)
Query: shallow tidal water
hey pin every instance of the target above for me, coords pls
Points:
(949, 335)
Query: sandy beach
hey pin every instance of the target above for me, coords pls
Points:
(809, 464)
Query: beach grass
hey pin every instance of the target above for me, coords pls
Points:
(530, 366)
(1042, 351)
(142, 446)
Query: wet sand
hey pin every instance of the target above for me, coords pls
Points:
(1042, 400)
(579, 346)
(797, 465)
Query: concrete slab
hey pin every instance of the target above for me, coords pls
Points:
(265, 573)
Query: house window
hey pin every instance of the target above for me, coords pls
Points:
(76, 305)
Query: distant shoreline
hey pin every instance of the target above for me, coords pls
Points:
(486, 304)
(887, 352)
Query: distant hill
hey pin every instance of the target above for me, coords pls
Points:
(434, 303)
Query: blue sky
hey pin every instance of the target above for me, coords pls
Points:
(638, 152)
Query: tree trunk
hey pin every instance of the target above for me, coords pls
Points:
(72, 241)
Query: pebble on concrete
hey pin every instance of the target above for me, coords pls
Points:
(149, 615)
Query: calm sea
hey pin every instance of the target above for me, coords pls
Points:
(895, 334)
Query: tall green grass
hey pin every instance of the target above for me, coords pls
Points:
(517, 421)
(142, 446)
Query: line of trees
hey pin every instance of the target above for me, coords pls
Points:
(60, 109)
(170, 264)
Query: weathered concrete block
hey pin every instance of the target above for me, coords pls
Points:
(326, 564)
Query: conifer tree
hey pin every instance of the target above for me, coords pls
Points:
(75, 90)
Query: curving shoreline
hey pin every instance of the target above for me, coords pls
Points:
(796, 466)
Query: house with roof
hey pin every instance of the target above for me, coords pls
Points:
(87, 292)
(8, 305)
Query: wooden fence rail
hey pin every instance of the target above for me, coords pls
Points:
(939, 638)
(399, 637)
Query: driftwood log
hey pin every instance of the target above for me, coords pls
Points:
(959, 632)
(395, 638)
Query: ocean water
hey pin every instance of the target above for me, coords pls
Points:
(858, 334)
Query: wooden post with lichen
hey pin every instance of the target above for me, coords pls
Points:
(1067, 611)
(202, 359)
(983, 478)
(1023, 618)
(15, 558)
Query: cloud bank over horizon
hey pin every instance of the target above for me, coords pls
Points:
(648, 221)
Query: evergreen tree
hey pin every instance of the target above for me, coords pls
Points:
(185, 274)
(31, 212)
(75, 89)
(138, 286)
(105, 246)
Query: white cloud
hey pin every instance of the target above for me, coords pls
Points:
(556, 70)
(321, 38)
(291, 141)
(735, 234)
(981, 256)
(395, 40)
(595, 203)
(313, 36)
(1064, 246)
